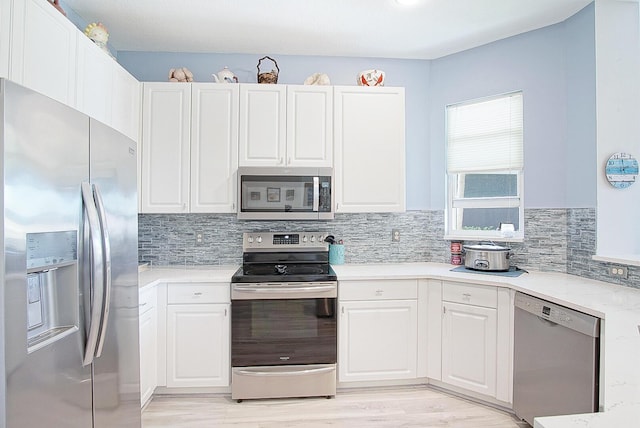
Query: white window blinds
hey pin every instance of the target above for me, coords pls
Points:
(485, 135)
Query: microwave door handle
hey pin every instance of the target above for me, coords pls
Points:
(316, 194)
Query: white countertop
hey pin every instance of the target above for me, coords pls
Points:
(150, 276)
(619, 306)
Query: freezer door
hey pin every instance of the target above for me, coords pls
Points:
(45, 158)
(116, 368)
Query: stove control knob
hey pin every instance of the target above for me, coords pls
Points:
(259, 239)
(313, 238)
(250, 239)
(304, 238)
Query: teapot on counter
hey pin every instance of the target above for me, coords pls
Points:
(225, 76)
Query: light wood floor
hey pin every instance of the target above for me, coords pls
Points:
(362, 408)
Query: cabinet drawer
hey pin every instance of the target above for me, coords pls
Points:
(470, 294)
(178, 293)
(147, 300)
(378, 290)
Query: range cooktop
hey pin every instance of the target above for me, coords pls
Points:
(288, 276)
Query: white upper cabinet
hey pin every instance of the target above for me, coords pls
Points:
(369, 151)
(5, 36)
(262, 125)
(214, 147)
(309, 125)
(286, 125)
(43, 50)
(94, 82)
(166, 134)
(125, 105)
(189, 147)
(106, 91)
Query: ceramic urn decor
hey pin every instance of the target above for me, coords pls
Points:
(371, 78)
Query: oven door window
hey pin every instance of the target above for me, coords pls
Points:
(283, 331)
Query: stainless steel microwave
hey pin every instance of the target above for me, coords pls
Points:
(274, 193)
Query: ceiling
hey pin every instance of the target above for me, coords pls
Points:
(353, 28)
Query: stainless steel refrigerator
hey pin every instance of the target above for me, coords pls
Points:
(69, 293)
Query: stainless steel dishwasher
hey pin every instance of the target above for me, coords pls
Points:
(556, 359)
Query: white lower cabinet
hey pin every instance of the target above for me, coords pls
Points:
(148, 313)
(475, 341)
(469, 347)
(378, 327)
(198, 335)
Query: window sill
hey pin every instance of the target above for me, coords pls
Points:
(623, 259)
(483, 238)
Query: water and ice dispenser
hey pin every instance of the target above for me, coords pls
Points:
(52, 287)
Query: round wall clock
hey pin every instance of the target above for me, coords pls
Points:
(621, 170)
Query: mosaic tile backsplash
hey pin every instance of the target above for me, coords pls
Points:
(559, 240)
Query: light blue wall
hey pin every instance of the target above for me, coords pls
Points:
(581, 148)
(555, 69)
(553, 66)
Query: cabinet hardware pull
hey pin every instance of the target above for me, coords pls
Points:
(143, 304)
(444, 309)
(225, 312)
(197, 293)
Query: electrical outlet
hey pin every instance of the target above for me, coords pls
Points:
(199, 238)
(395, 235)
(618, 271)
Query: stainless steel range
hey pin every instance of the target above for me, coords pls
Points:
(283, 318)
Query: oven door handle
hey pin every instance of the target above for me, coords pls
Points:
(262, 373)
(284, 289)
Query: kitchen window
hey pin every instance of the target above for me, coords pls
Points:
(485, 169)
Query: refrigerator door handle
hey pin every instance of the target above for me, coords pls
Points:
(106, 263)
(97, 274)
